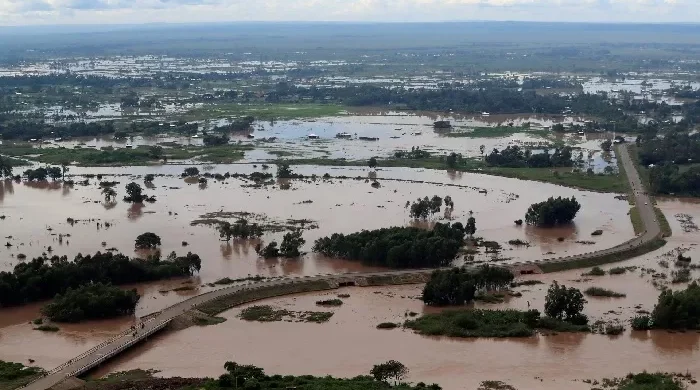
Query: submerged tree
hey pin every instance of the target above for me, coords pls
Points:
(5, 167)
(147, 241)
(291, 243)
(389, 370)
(470, 229)
(109, 193)
(552, 211)
(134, 193)
(563, 303)
(372, 163)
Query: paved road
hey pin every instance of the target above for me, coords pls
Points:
(110, 348)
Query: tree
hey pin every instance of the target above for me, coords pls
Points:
(470, 229)
(54, 173)
(552, 211)
(435, 204)
(109, 193)
(458, 286)
(563, 303)
(91, 301)
(38, 174)
(134, 193)
(452, 160)
(291, 243)
(5, 167)
(147, 241)
(240, 229)
(64, 169)
(678, 309)
(268, 252)
(241, 374)
(284, 171)
(149, 178)
(606, 145)
(449, 203)
(372, 163)
(482, 148)
(389, 370)
(155, 152)
(191, 171)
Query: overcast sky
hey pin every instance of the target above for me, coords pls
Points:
(25, 12)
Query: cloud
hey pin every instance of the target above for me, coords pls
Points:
(137, 11)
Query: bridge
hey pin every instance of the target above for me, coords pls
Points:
(157, 321)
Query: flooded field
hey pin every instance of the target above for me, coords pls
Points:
(354, 342)
(338, 205)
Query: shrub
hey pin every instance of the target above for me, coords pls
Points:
(330, 302)
(595, 271)
(617, 271)
(387, 325)
(642, 322)
(614, 329)
(601, 292)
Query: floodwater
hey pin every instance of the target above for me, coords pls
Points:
(349, 344)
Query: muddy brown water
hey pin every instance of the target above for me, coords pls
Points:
(349, 344)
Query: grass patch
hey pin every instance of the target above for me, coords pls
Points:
(227, 280)
(595, 271)
(526, 283)
(474, 323)
(206, 321)
(224, 303)
(663, 222)
(387, 325)
(564, 177)
(646, 381)
(495, 385)
(490, 298)
(330, 302)
(636, 219)
(264, 111)
(492, 132)
(601, 292)
(118, 157)
(267, 313)
(14, 375)
(603, 259)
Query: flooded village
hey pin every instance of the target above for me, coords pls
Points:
(389, 220)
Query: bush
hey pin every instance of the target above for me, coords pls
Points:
(679, 309)
(617, 271)
(595, 271)
(93, 301)
(330, 302)
(601, 292)
(614, 329)
(642, 322)
(387, 325)
(477, 323)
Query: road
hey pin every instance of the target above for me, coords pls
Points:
(112, 347)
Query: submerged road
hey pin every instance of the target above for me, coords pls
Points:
(110, 348)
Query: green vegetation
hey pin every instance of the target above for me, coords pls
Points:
(91, 302)
(458, 286)
(266, 313)
(330, 302)
(636, 219)
(552, 211)
(147, 241)
(477, 323)
(240, 229)
(678, 309)
(14, 375)
(207, 320)
(42, 278)
(647, 247)
(663, 222)
(601, 292)
(387, 325)
(617, 270)
(566, 304)
(141, 155)
(646, 381)
(404, 247)
(595, 271)
(515, 157)
(564, 177)
(263, 111)
(494, 132)
(250, 377)
(291, 243)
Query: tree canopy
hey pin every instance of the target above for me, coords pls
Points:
(552, 211)
(458, 286)
(42, 278)
(564, 303)
(147, 241)
(91, 301)
(397, 247)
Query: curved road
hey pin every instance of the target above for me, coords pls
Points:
(109, 348)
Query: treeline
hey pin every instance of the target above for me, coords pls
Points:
(671, 180)
(458, 286)
(42, 278)
(397, 247)
(91, 301)
(493, 100)
(27, 130)
(515, 157)
(238, 125)
(674, 310)
(674, 147)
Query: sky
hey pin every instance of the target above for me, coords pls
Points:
(52, 12)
